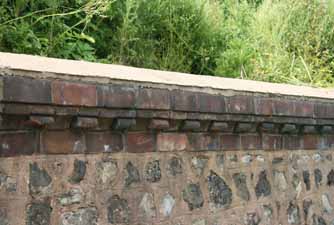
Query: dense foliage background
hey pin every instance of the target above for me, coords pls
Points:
(290, 41)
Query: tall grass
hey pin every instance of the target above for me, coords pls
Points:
(289, 41)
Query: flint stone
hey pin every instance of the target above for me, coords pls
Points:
(118, 210)
(153, 172)
(83, 216)
(241, 184)
(79, 171)
(219, 192)
(192, 195)
(263, 187)
(132, 174)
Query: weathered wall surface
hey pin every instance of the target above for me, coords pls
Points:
(77, 149)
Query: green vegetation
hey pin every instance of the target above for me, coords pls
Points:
(288, 41)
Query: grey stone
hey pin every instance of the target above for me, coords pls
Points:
(318, 220)
(147, 205)
(106, 172)
(330, 178)
(329, 157)
(39, 179)
(174, 166)
(293, 214)
(306, 178)
(233, 158)
(247, 159)
(167, 204)
(252, 218)
(317, 177)
(79, 171)
(219, 192)
(199, 163)
(326, 203)
(152, 171)
(74, 196)
(267, 213)
(192, 195)
(7, 182)
(83, 216)
(220, 161)
(263, 187)
(280, 180)
(38, 214)
(277, 160)
(3, 217)
(199, 222)
(306, 207)
(132, 174)
(241, 184)
(118, 210)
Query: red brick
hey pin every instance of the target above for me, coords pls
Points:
(185, 101)
(139, 142)
(116, 96)
(85, 122)
(204, 141)
(149, 98)
(272, 142)
(230, 142)
(329, 141)
(18, 143)
(159, 124)
(284, 107)
(40, 120)
(212, 103)
(263, 106)
(291, 142)
(311, 142)
(79, 94)
(241, 104)
(251, 142)
(324, 110)
(27, 90)
(172, 142)
(304, 109)
(103, 142)
(62, 142)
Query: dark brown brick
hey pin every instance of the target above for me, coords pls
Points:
(311, 141)
(116, 96)
(246, 127)
(144, 113)
(27, 90)
(304, 109)
(103, 142)
(79, 94)
(329, 141)
(40, 120)
(324, 110)
(62, 142)
(269, 128)
(159, 124)
(116, 113)
(241, 104)
(271, 142)
(172, 142)
(327, 129)
(263, 106)
(18, 143)
(310, 129)
(185, 101)
(139, 142)
(123, 124)
(250, 142)
(222, 126)
(284, 107)
(149, 98)
(292, 142)
(191, 125)
(85, 122)
(204, 142)
(230, 142)
(212, 103)
(289, 129)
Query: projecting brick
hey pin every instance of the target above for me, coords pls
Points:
(185, 101)
(230, 142)
(250, 142)
(27, 90)
(116, 96)
(191, 125)
(40, 120)
(222, 126)
(62, 142)
(139, 142)
(269, 128)
(289, 129)
(85, 122)
(310, 129)
(327, 129)
(79, 94)
(271, 142)
(18, 143)
(103, 142)
(241, 104)
(212, 103)
(159, 124)
(172, 142)
(149, 98)
(124, 124)
(246, 127)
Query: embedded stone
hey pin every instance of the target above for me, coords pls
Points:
(317, 177)
(39, 179)
(7, 182)
(326, 203)
(293, 214)
(252, 218)
(199, 222)
(220, 161)
(263, 187)
(74, 196)
(83, 216)
(306, 178)
(280, 180)
(219, 192)
(199, 163)
(318, 220)
(147, 205)
(152, 171)
(174, 166)
(277, 160)
(267, 213)
(38, 214)
(241, 184)
(118, 210)
(233, 158)
(247, 159)
(193, 196)
(306, 207)
(106, 172)
(167, 205)
(132, 174)
(3, 217)
(330, 178)
(79, 171)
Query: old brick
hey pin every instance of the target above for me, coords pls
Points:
(230, 142)
(62, 142)
(311, 142)
(185, 101)
(291, 142)
(241, 104)
(250, 142)
(263, 106)
(191, 125)
(149, 98)
(158, 124)
(269, 128)
(79, 94)
(27, 90)
(172, 142)
(40, 120)
(324, 110)
(310, 129)
(212, 103)
(222, 126)
(329, 141)
(327, 129)
(85, 122)
(271, 142)
(18, 143)
(246, 127)
(116, 113)
(204, 141)
(289, 129)
(103, 142)
(116, 96)
(284, 107)
(140, 142)
(304, 108)
(123, 124)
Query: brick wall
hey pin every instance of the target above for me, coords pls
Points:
(96, 149)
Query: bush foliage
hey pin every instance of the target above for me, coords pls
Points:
(289, 41)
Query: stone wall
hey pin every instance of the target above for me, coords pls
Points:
(98, 147)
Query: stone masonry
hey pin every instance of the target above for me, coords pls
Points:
(97, 147)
